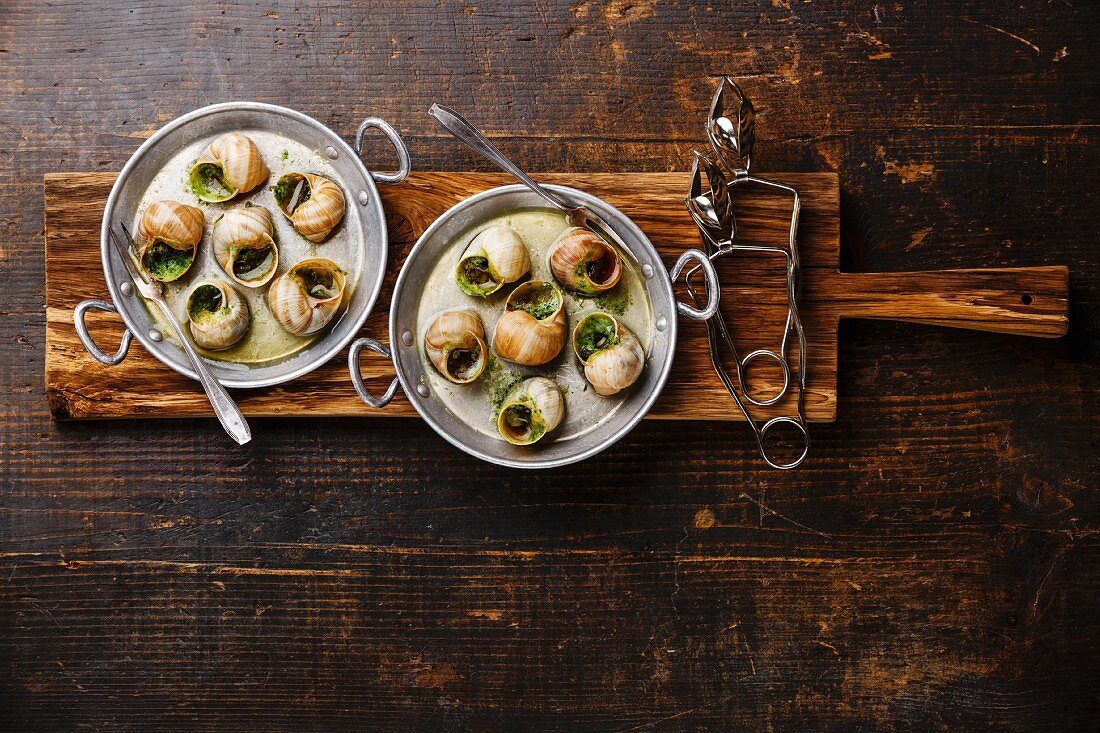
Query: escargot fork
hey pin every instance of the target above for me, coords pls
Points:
(229, 415)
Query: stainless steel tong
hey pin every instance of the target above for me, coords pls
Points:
(731, 131)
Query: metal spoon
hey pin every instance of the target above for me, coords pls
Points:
(578, 216)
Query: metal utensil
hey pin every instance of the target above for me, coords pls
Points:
(731, 130)
(577, 215)
(229, 415)
(712, 212)
(719, 336)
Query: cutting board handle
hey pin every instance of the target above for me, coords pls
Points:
(1029, 301)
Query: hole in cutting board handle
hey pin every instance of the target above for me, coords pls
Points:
(1025, 299)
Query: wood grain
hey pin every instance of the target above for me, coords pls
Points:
(933, 566)
(753, 301)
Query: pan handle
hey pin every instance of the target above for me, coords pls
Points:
(714, 290)
(404, 162)
(357, 379)
(86, 338)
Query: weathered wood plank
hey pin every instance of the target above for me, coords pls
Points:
(1029, 302)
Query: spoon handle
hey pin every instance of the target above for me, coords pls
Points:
(229, 415)
(468, 134)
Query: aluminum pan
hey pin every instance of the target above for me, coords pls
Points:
(353, 175)
(410, 368)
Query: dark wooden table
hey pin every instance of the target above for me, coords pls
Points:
(933, 565)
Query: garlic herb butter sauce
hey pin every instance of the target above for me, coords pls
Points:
(265, 341)
(477, 403)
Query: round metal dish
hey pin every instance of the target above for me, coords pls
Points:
(405, 344)
(365, 221)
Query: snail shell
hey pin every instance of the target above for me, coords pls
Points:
(583, 262)
(532, 330)
(530, 411)
(495, 256)
(455, 344)
(313, 204)
(230, 165)
(217, 316)
(243, 245)
(612, 357)
(306, 297)
(168, 235)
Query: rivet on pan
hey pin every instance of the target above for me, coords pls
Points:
(155, 335)
(422, 389)
(662, 324)
(407, 337)
(331, 152)
(127, 289)
(364, 199)
(647, 270)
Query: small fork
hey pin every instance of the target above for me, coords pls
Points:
(229, 415)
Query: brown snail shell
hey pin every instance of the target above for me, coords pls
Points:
(455, 344)
(530, 411)
(243, 245)
(168, 239)
(494, 257)
(306, 297)
(229, 165)
(532, 329)
(612, 357)
(313, 204)
(217, 316)
(584, 263)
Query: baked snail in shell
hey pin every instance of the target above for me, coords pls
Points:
(455, 345)
(612, 357)
(306, 297)
(494, 257)
(584, 263)
(168, 239)
(313, 204)
(532, 329)
(244, 246)
(229, 165)
(217, 315)
(530, 411)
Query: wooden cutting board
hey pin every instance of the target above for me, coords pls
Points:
(1026, 301)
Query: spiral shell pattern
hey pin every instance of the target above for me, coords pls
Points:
(306, 297)
(217, 316)
(530, 411)
(243, 244)
(455, 344)
(313, 204)
(168, 238)
(230, 165)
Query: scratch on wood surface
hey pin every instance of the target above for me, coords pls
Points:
(907, 172)
(774, 513)
(1010, 34)
(882, 49)
(488, 614)
(437, 677)
(918, 237)
(674, 716)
